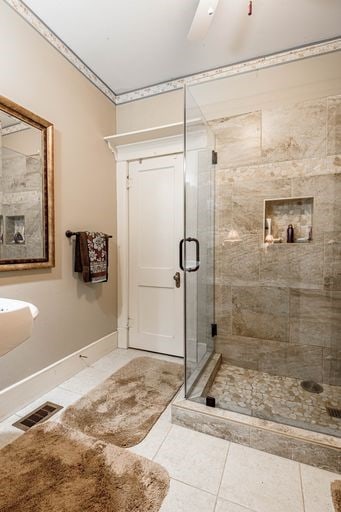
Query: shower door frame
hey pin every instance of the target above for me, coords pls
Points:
(200, 144)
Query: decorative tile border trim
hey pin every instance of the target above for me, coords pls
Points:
(233, 69)
(171, 85)
(58, 44)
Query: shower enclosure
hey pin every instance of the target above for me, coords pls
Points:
(262, 250)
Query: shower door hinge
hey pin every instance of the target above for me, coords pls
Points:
(210, 401)
(128, 183)
(214, 330)
(214, 157)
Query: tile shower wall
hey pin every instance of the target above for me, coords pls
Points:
(279, 309)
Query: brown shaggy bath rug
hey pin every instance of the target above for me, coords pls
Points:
(124, 408)
(52, 468)
(336, 495)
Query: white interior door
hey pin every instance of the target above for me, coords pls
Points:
(156, 304)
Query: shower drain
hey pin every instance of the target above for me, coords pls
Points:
(311, 386)
(334, 412)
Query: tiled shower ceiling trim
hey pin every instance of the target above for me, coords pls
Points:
(171, 85)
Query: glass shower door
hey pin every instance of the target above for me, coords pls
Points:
(198, 245)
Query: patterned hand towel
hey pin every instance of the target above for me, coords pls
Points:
(91, 256)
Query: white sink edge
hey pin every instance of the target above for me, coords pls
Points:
(14, 304)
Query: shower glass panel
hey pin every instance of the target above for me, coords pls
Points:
(198, 248)
(276, 259)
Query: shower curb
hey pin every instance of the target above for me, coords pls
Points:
(207, 376)
(305, 446)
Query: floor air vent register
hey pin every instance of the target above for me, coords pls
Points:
(39, 415)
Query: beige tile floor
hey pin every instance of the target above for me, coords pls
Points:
(207, 474)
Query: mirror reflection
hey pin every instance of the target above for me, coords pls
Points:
(21, 190)
(26, 189)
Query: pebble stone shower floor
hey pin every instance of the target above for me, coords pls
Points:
(276, 398)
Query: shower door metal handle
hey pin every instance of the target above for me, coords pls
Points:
(197, 254)
(181, 245)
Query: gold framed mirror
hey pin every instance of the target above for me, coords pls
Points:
(26, 189)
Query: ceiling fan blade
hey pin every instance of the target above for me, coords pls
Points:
(202, 19)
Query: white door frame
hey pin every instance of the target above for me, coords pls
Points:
(123, 154)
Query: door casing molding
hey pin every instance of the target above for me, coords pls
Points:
(123, 155)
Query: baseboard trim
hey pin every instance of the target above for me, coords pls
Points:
(16, 396)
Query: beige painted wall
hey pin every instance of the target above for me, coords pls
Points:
(155, 111)
(72, 314)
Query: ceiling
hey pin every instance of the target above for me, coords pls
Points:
(132, 44)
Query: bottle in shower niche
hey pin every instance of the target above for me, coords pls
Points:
(310, 233)
(290, 234)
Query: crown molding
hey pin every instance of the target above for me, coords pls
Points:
(31, 18)
(171, 85)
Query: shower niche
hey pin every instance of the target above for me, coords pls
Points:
(15, 229)
(279, 214)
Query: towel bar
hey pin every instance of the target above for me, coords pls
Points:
(69, 234)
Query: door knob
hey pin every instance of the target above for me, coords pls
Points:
(176, 278)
